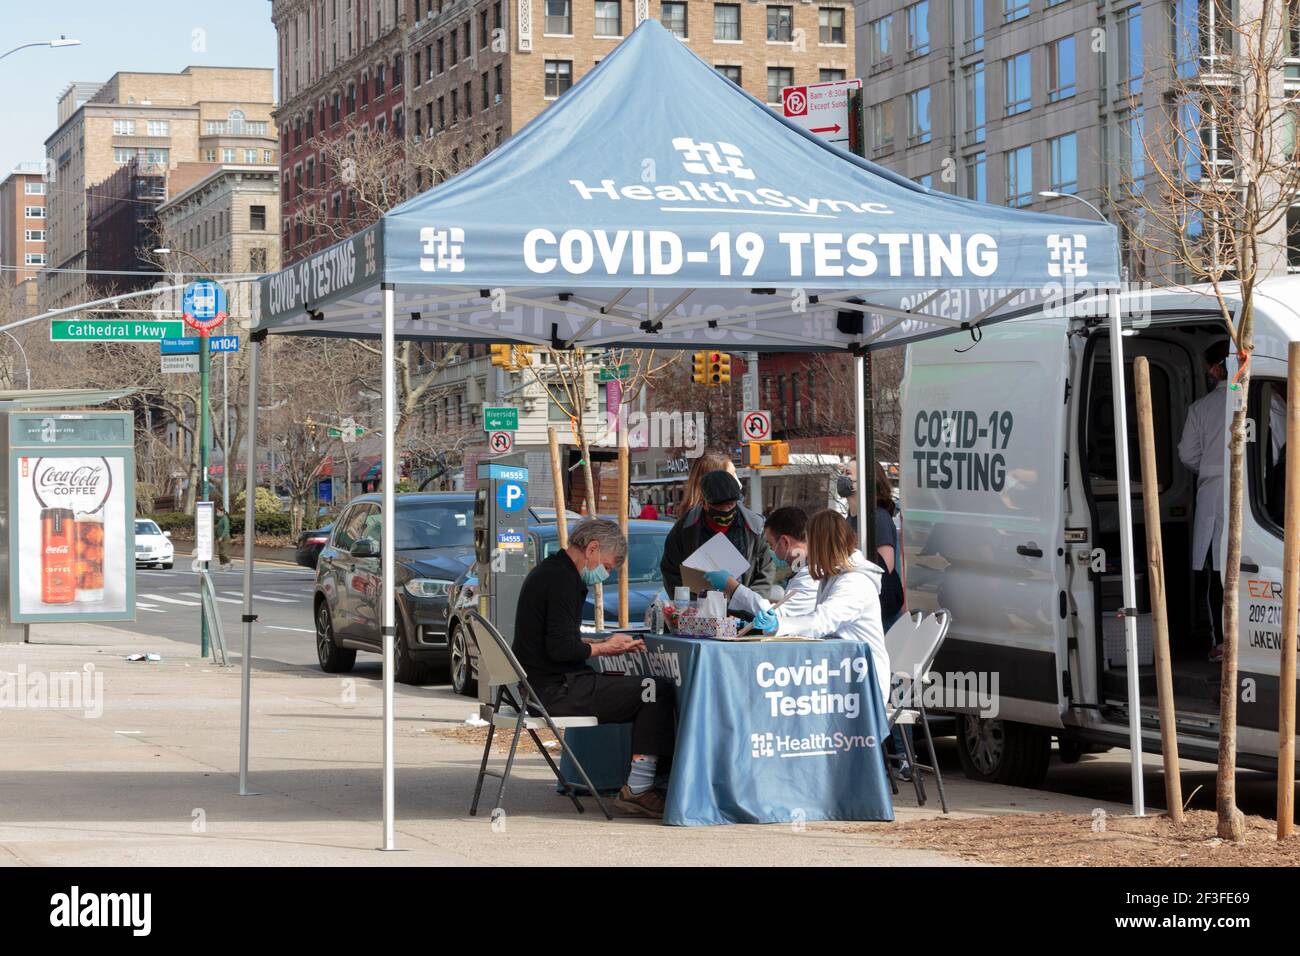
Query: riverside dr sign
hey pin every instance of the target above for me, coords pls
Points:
(114, 330)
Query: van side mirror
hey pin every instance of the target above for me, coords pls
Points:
(365, 548)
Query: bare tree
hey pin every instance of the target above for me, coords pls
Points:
(1205, 195)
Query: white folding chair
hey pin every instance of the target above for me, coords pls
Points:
(910, 666)
(514, 699)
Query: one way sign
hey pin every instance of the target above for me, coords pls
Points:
(821, 108)
(755, 426)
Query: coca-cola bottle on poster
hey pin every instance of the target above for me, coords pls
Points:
(58, 556)
(73, 492)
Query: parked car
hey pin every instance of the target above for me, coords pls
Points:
(310, 543)
(433, 545)
(153, 546)
(645, 549)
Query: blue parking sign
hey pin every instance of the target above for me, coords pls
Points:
(510, 496)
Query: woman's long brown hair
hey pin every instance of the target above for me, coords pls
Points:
(831, 543)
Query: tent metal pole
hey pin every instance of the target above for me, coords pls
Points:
(1125, 495)
(387, 552)
(863, 450)
(250, 532)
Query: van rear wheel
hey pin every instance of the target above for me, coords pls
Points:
(1001, 751)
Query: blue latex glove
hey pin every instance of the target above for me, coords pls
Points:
(717, 579)
(765, 621)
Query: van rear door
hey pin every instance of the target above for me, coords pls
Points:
(982, 472)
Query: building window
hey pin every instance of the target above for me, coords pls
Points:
(1129, 25)
(442, 59)
(918, 29)
(1014, 10)
(235, 123)
(730, 72)
(123, 154)
(465, 33)
(352, 98)
(918, 117)
(496, 81)
(34, 212)
(228, 155)
(34, 235)
(778, 78)
(559, 18)
(34, 189)
(1065, 163)
(159, 128)
(609, 18)
(34, 259)
(380, 81)
(1020, 176)
(975, 180)
(881, 51)
(1060, 69)
(268, 156)
(455, 106)
(485, 90)
(673, 16)
(829, 76)
(1133, 158)
(726, 21)
(882, 125)
(559, 77)
(257, 218)
(830, 24)
(335, 108)
(1018, 96)
(974, 26)
(442, 114)
(780, 24)
(973, 81)
(451, 46)
(123, 127)
(483, 36)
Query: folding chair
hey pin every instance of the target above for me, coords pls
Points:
(896, 639)
(910, 663)
(514, 702)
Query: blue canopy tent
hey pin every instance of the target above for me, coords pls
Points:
(658, 205)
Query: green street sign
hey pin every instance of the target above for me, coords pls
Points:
(114, 330)
(503, 419)
(338, 432)
(612, 374)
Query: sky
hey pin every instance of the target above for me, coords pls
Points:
(162, 36)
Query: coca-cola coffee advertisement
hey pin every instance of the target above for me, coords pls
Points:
(72, 535)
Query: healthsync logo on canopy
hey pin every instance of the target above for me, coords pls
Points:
(723, 160)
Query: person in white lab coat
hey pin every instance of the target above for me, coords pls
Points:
(786, 531)
(848, 594)
(1201, 450)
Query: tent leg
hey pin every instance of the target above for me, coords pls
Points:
(250, 532)
(388, 596)
(1119, 402)
(865, 452)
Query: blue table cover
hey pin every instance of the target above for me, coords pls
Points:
(767, 732)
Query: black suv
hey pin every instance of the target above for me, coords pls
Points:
(433, 545)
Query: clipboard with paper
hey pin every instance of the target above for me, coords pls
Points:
(716, 554)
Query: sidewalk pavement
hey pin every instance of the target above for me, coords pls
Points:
(153, 780)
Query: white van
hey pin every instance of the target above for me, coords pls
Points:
(1009, 492)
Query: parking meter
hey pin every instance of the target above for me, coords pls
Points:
(501, 541)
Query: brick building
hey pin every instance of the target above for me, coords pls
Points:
(159, 120)
(22, 232)
(226, 220)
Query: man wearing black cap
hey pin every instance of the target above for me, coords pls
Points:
(722, 513)
(1201, 450)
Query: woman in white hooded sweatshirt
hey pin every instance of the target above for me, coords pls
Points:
(848, 594)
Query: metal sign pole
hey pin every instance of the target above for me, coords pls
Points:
(250, 532)
(388, 596)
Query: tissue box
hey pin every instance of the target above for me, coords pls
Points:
(692, 622)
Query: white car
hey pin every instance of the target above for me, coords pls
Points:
(152, 544)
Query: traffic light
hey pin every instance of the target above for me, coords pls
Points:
(778, 454)
(701, 368)
(719, 369)
(501, 356)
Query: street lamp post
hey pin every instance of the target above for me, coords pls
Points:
(61, 41)
(26, 364)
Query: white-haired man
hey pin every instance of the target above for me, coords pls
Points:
(550, 646)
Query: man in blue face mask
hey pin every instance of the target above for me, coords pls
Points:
(549, 644)
(786, 533)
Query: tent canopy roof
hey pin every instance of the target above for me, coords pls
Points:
(657, 204)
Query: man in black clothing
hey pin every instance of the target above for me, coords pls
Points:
(554, 654)
(722, 512)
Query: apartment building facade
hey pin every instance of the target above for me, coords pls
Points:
(227, 222)
(1001, 100)
(22, 233)
(159, 120)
